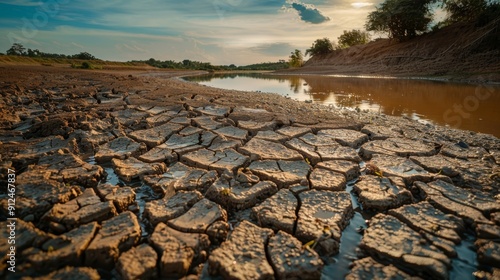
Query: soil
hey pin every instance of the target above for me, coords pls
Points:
(457, 52)
(136, 174)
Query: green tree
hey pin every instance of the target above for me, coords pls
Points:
(320, 47)
(401, 19)
(296, 59)
(16, 49)
(352, 38)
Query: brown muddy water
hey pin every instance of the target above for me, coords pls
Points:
(474, 107)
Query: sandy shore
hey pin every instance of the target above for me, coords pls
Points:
(137, 174)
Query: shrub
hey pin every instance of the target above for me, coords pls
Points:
(87, 65)
(320, 47)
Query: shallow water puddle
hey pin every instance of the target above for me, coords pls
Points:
(337, 267)
(465, 264)
(143, 193)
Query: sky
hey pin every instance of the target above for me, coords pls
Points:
(221, 32)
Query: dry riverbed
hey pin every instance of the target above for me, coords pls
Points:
(138, 175)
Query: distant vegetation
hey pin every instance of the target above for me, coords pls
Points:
(85, 65)
(207, 66)
(20, 50)
(296, 59)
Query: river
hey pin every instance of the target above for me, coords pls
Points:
(474, 107)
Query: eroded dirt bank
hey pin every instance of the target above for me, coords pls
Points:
(133, 175)
(459, 52)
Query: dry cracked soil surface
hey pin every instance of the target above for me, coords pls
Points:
(139, 175)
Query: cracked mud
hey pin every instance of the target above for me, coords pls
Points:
(188, 181)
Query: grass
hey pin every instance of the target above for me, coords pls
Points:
(85, 65)
(75, 63)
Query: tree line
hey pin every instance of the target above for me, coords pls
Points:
(19, 50)
(405, 19)
(207, 66)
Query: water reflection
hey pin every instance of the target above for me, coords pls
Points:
(463, 106)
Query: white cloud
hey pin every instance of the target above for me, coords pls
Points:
(361, 4)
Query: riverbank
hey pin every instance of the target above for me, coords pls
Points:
(138, 174)
(460, 52)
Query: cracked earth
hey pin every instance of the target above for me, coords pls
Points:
(136, 175)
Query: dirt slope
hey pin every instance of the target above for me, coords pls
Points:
(460, 51)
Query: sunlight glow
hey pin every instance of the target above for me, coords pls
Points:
(358, 5)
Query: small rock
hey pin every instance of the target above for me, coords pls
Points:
(232, 132)
(120, 148)
(83, 273)
(219, 161)
(254, 128)
(133, 168)
(323, 179)
(168, 208)
(122, 197)
(381, 193)
(199, 217)
(322, 217)
(397, 147)
(292, 131)
(282, 173)
(423, 216)
(348, 168)
(243, 255)
(180, 177)
(277, 212)
(239, 196)
(346, 137)
(267, 150)
(391, 239)
(367, 268)
(218, 232)
(292, 261)
(117, 235)
(378, 132)
(138, 263)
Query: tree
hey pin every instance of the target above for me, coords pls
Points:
(16, 49)
(84, 55)
(464, 10)
(296, 59)
(320, 47)
(401, 19)
(33, 53)
(352, 38)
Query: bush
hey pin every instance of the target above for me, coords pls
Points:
(352, 38)
(87, 65)
(320, 47)
(296, 59)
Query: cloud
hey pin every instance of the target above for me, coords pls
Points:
(309, 13)
(274, 49)
(77, 45)
(26, 3)
(130, 47)
(361, 4)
